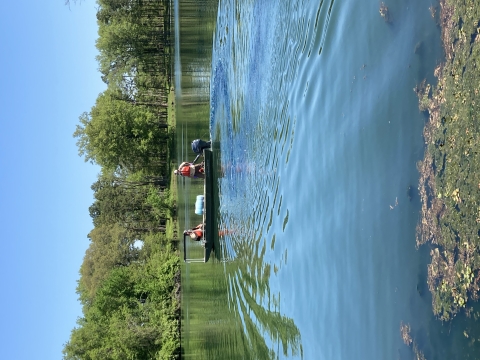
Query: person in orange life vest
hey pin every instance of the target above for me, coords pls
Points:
(195, 233)
(191, 170)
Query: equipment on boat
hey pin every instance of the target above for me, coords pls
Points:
(198, 145)
(199, 204)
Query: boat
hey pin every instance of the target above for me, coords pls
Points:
(209, 224)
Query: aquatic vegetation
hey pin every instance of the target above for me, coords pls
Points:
(385, 13)
(449, 184)
(423, 92)
(405, 331)
(418, 353)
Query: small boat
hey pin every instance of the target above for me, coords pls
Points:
(208, 211)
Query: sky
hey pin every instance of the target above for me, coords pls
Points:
(49, 77)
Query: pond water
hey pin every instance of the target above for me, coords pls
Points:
(316, 134)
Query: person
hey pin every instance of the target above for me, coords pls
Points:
(198, 145)
(195, 233)
(191, 170)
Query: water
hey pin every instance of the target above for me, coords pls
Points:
(317, 132)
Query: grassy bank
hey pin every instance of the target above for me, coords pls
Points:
(450, 172)
(172, 223)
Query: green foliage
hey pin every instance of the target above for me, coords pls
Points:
(453, 155)
(154, 242)
(134, 314)
(161, 203)
(117, 133)
(129, 292)
(110, 247)
(137, 203)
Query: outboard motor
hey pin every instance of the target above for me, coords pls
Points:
(198, 145)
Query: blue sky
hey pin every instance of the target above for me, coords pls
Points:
(49, 77)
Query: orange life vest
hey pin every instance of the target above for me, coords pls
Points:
(185, 171)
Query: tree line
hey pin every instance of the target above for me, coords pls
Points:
(129, 278)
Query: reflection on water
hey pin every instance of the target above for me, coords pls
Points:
(255, 131)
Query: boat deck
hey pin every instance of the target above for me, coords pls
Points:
(208, 212)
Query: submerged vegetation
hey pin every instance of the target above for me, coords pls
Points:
(449, 173)
(410, 342)
(129, 284)
(385, 13)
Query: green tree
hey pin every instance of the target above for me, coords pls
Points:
(135, 205)
(118, 134)
(132, 316)
(110, 247)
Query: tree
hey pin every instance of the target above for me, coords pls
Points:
(132, 315)
(120, 134)
(135, 205)
(110, 247)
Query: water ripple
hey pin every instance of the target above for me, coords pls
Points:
(250, 74)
